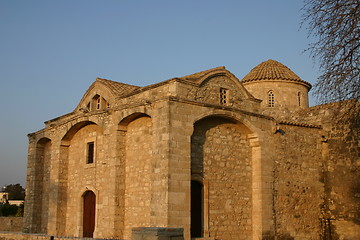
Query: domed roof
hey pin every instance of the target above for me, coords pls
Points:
(272, 70)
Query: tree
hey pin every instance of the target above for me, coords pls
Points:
(16, 192)
(336, 26)
(7, 210)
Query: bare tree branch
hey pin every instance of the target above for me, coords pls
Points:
(336, 25)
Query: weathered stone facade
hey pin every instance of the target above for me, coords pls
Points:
(218, 157)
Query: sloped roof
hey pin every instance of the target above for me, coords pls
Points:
(196, 76)
(118, 88)
(272, 70)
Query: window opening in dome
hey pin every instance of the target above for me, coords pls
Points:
(299, 99)
(271, 99)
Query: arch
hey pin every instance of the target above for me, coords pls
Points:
(97, 88)
(135, 156)
(97, 102)
(271, 99)
(89, 212)
(66, 153)
(72, 131)
(44, 140)
(221, 153)
(223, 72)
(132, 117)
(248, 127)
(42, 184)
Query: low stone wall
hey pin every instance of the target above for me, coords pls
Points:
(156, 233)
(28, 236)
(11, 224)
(141, 233)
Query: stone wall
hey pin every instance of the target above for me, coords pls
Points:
(285, 93)
(334, 163)
(11, 224)
(298, 190)
(153, 233)
(299, 182)
(140, 233)
(221, 155)
(341, 176)
(84, 176)
(25, 236)
(138, 174)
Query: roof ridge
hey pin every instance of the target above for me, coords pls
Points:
(114, 82)
(118, 88)
(200, 74)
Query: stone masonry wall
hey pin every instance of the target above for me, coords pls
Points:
(298, 190)
(285, 93)
(340, 172)
(82, 174)
(138, 174)
(341, 153)
(220, 151)
(11, 224)
(42, 184)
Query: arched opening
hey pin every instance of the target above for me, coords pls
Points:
(42, 184)
(89, 209)
(197, 209)
(221, 177)
(136, 138)
(73, 156)
(271, 99)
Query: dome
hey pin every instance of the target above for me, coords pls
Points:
(273, 70)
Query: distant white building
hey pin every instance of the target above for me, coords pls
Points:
(4, 197)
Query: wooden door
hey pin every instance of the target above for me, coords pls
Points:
(196, 209)
(89, 214)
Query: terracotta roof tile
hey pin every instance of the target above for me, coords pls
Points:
(118, 88)
(272, 70)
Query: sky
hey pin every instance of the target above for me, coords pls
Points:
(52, 51)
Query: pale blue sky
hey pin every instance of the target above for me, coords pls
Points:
(51, 51)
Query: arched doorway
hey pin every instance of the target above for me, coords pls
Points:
(197, 199)
(221, 157)
(89, 214)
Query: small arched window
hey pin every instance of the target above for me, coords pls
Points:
(299, 99)
(271, 99)
(97, 103)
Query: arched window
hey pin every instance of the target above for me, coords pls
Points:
(97, 103)
(271, 99)
(299, 99)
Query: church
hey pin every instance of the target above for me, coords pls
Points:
(220, 157)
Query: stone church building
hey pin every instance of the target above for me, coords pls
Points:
(220, 157)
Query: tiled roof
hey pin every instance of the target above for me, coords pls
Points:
(272, 70)
(118, 88)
